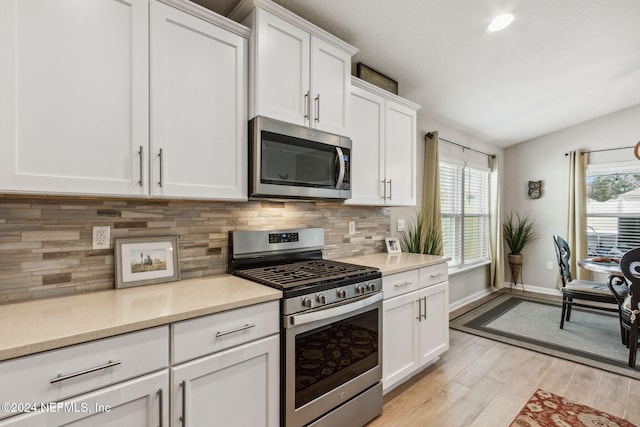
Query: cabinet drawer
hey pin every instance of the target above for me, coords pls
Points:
(399, 283)
(56, 375)
(434, 274)
(209, 334)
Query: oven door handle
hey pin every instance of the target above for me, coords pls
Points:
(308, 317)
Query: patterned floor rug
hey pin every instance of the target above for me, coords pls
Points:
(546, 409)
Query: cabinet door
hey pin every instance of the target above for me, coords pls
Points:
(400, 154)
(281, 81)
(399, 339)
(142, 402)
(330, 87)
(434, 327)
(198, 115)
(235, 387)
(74, 104)
(367, 160)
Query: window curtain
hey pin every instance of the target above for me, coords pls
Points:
(431, 185)
(577, 212)
(496, 242)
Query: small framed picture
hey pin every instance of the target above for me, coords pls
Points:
(146, 261)
(393, 245)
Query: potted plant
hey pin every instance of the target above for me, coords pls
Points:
(421, 238)
(517, 232)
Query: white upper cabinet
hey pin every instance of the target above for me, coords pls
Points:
(298, 73)
(76, 109)
(384, 132)
(198, 108)
(74, 106)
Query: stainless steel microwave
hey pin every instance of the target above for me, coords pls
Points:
(291, 161)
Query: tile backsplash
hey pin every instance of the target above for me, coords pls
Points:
(45, 242)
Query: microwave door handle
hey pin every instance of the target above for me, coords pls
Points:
(340, 156)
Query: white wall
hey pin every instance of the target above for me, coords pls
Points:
(471, 282)
(544, 159)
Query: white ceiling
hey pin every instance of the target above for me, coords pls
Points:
(559, 63)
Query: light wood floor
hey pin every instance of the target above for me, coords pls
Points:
(480, 382)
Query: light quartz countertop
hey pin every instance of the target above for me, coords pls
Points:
(35, 326)
(395, 263)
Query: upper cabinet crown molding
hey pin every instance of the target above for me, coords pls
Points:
(245, 7)
(355, 81)
(209, 16)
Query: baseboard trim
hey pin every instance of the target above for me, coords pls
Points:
(471, 298)
(531, 288)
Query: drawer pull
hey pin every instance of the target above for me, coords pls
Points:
(233, 331)
(107, 365)
(435, 276)
(402, 285)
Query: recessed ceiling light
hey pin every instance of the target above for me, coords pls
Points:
(500, 22)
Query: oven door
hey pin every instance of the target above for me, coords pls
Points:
(331, 354)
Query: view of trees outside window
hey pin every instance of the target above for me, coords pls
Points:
(613, 209)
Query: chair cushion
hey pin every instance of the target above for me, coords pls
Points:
(587, 286)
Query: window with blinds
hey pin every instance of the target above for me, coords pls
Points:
(464, 198)
(613, 208)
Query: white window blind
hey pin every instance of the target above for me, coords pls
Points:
(613, 208)
(464, 198)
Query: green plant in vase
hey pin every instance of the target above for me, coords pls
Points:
(421, 238)
(517, 231)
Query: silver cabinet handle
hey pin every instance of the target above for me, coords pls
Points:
(435, 276)
(161, 161)
(306, 105)
(317, 108)
(183, 417)
(424, 316)
(161, 403)
(403, 284)
(109, 364)
(233, 331)
(390, 190)
(384, 187)
(141, 181)
(419, 301)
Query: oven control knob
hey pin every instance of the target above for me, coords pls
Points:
(306, 302)
(322, 299)
(371, 287)
(360, 289)
(341, 293)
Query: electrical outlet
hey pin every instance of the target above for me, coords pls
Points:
(101, 236)
(400, 225)
(352, 227)
(549, 265)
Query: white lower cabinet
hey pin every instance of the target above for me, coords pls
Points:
(142, 402)
(233, 376)
(226, 372)
(415, 323)
(115, 381)
(235, 387)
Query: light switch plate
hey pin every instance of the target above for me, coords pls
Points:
(400, 225)
(352, 227)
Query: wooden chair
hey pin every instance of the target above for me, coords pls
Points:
(629, 313)
(585, 290)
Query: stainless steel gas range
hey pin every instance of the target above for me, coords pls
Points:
(331, 326)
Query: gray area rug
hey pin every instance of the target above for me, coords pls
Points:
(591, 337)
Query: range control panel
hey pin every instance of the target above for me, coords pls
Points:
(283, 237)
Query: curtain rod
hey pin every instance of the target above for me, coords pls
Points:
(604, 149)
(430, 135)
